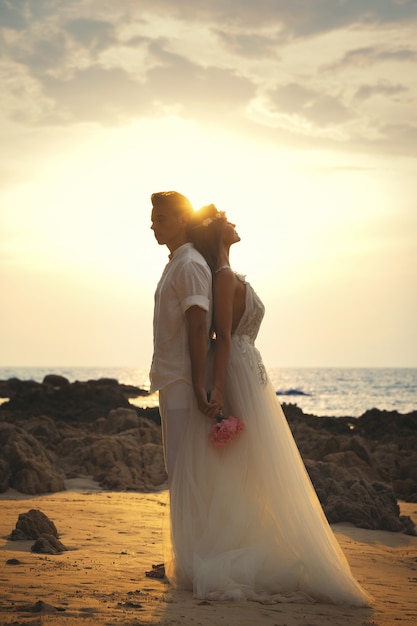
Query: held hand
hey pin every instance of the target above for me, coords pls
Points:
(208, 407)
(216, 397)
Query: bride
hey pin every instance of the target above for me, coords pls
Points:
(245, 521)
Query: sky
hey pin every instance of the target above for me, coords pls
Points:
(299, 119)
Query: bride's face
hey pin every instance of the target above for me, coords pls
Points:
(230, 235)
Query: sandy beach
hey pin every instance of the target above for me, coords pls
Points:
(114, 537)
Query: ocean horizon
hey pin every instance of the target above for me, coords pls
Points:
(322, 391)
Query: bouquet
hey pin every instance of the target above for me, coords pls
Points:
(224, 430)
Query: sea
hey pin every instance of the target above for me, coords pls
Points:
(321, 391)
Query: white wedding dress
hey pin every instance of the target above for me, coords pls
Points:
(245, 521)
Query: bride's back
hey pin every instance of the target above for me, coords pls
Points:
(239, 296)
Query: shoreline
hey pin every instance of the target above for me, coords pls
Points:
(114, 537)
(321, 391)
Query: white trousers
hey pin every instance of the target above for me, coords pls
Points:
(175, 401)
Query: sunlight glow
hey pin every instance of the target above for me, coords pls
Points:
(84, 227)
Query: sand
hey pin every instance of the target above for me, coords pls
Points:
(113, 538)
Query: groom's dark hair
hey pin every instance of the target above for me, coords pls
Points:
(173, 200)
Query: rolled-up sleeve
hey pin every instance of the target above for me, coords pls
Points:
(200, 301)
(194, 286)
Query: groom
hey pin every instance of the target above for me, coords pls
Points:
(182, 316)
(181, 324)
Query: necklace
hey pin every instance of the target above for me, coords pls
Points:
(223, 267)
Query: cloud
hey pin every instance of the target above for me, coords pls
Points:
(95, 94)
(42, 54)
(68, 61)
(251, 45)
(367, 56)
(178, 81)
(173, 84)
(22, 14)
(317, 107)
(95, 35)
(364, 92)
(303, 18)
(400, 139)
(12, 14)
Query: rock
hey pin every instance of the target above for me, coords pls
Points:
(36, 525)
(323, 446)
(370, 505)
(347, 465)
(55, 381)
(15, 387)
(119, 420)
(123, 461)
(385, 441)
(40, 607)
(48, 544)
(386, 425)
(120, 451)
(57, 398)
(5, 474)
(44, 429)
(405, 489)
(25, 465)
(32, 525)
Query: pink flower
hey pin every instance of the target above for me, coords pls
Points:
(224, 430)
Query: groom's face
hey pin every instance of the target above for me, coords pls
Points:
(169, 226)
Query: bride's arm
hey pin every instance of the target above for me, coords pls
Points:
(224, 288)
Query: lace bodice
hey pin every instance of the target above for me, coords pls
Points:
(251, 319)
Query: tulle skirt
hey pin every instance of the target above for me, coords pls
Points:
(245, 521)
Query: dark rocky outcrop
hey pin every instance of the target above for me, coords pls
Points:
(379, 446)
(36, 525)
(364, 503)
(48, 544)
(25, 463)
(122, 451)
(116, 457)
(56, 430)
(60, 399)
(32, 525)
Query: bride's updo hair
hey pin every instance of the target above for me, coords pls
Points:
(205, 230)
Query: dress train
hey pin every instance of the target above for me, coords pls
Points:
(245, 520)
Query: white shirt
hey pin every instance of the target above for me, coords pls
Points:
(186, 281)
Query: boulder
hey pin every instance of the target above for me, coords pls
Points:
(370, 505)
(56, 397)
(119, 420)
(384, 442)
(48, 544)
(32, 525)
(25, 464)
(124, 461)
(55, 381)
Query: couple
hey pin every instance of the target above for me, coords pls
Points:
(245, 521)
